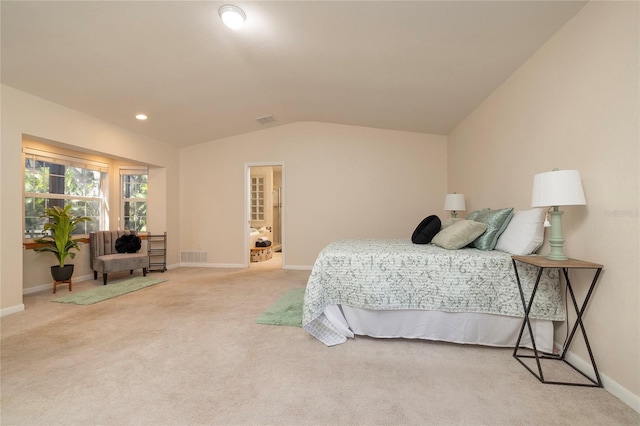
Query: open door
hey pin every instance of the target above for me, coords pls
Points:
(264, 214)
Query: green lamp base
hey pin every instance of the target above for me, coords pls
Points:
(556, 239)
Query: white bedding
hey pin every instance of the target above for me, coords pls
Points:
(396, 275)
(455, 327)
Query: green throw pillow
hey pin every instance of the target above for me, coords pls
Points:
(496, 221)
(474, 214)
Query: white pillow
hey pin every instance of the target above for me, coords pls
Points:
(524, 234)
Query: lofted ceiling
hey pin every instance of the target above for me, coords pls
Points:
(419, 66)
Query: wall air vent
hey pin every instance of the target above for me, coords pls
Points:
(193, 257)
(265, 120)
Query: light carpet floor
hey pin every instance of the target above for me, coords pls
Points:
(189, 352)
(106, 292)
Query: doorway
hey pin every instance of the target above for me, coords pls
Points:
(264, 215)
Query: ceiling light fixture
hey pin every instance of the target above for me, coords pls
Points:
(141, 117)
(232, 16)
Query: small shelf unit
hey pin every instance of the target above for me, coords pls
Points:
(157, 250)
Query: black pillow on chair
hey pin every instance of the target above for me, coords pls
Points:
(128, 243)
(427, 229)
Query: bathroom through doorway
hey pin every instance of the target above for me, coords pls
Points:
(264, 215)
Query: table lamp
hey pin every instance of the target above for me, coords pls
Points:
(553, 189)
(454, 203)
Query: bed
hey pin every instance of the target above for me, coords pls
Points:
(394, 288)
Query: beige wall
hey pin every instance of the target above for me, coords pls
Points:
(339, 182)
(573, 105)
(23, 114)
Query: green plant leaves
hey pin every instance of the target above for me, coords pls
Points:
(61, 224)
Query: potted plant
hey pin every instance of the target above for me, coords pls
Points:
(60, 242)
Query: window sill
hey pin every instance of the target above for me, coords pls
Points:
(31, 244)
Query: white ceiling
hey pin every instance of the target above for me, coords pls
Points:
(418, 66)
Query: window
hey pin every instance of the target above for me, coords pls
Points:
(257, 198)
(57, 180)
(134, 187)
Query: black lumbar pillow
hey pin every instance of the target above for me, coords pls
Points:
(129, 243)
(427, 229)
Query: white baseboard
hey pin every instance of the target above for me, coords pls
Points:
(238, 266)
(212, 265)
(12, 310)
(49, 285)
(37, 288)
(298, 267)
(613, 387)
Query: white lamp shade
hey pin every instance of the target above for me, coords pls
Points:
(454, 202)
(557, 188)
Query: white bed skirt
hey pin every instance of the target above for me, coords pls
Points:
(469, 328)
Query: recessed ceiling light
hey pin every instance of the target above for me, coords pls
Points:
(232, 16)
(141, 117)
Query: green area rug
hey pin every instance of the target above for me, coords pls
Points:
(286, 311)
(109, 291)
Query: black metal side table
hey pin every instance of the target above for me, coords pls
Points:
(541, 263)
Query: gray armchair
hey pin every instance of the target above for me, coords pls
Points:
(105, 258)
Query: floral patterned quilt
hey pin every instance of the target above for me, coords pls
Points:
(397, 274)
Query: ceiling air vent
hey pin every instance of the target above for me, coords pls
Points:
(265, 120)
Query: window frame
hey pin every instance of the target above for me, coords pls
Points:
(65, 161)
(132, 171)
